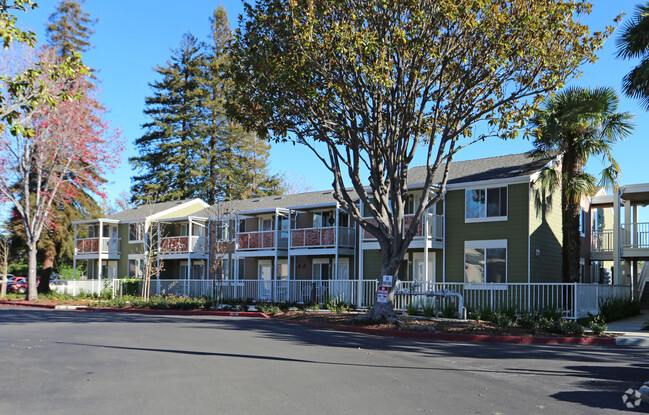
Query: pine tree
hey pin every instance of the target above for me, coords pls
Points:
(169, 149)
(234, 161)
(70, 28)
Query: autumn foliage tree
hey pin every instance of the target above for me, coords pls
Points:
(368, 84)
(54, 148)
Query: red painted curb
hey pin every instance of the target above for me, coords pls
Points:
(175, 312)
(147, 311)
(482, 338)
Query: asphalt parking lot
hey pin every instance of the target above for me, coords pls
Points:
(74, 362)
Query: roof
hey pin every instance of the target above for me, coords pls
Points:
(490, 168)
(144, 211)
(269, 203)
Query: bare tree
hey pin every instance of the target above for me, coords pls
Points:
(5, 244)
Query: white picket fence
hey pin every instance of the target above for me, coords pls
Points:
(575, 300)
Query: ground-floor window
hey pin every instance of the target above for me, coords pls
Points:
(135, 267)
(485, 261)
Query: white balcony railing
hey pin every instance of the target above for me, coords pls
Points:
(322, 237)
(261, 240)
(98, 245)
(433, 224)
(183, 244)
(632, 235)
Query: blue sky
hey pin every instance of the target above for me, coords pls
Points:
(132, 37)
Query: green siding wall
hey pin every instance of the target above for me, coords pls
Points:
(514, 230)
(546, 236)
(126, 249)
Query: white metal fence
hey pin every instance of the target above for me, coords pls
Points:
(575, 300)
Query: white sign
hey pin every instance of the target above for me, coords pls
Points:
(387, 280)
(383, 294)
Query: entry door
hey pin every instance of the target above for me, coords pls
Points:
(265, 274)
(342, 289)
(112, 269)
(419, 268)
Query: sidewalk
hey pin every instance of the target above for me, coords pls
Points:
(631, 328)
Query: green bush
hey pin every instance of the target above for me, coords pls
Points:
(66, 272)
(551, 314)
(130, 286)
(598, 325)
(428, 308)
(502, 321)
(616, 308)
(412, 309)
(529, 323)
(449, 310)
(336, 305)
(268, 308)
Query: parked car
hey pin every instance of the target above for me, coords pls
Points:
(18, 285)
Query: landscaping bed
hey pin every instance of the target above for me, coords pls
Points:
(433, 325)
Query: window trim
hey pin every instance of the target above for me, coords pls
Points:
(485, 218)
(487, 244)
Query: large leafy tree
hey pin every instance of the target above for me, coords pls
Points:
(633, 43)
(578, 123)
(373, 82)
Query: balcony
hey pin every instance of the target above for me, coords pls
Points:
(260, 240)
(183, 245)
(433, 224)
(634, 240)
(97, 246)
(322, 237)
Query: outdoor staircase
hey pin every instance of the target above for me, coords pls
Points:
(643, 285)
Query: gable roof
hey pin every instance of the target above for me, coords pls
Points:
(146, 211)
(490, 168)
(269, 203)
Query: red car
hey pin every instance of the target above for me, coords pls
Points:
(17, 285)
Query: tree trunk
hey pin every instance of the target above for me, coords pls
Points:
(46, 273)
(381, 312)
(32, 294)
(571, 242)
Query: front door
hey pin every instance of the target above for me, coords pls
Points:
(420, 268)
(342, 288)
(265, 275)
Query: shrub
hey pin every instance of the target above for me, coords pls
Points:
(336, 305)
(268, 308)
(450, 310)
(529, 323)
(617, 308)
(598, 325)
(428, 308)
(502, 321)
(130, 286)
(551, 314)
(412, 308)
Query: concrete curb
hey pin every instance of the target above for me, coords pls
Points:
(142, 311)
(610, 341)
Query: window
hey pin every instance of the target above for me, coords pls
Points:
(482, 204)
(223, 230)
(136, 232)
(582, 223)
(485, 261)
(323, 219)
(266, 224)
(135, 268)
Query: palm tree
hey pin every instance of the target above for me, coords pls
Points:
(634, 43)
(578, 123)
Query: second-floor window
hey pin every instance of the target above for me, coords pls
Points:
(485, 204)
(136, 232)
(223, 230)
